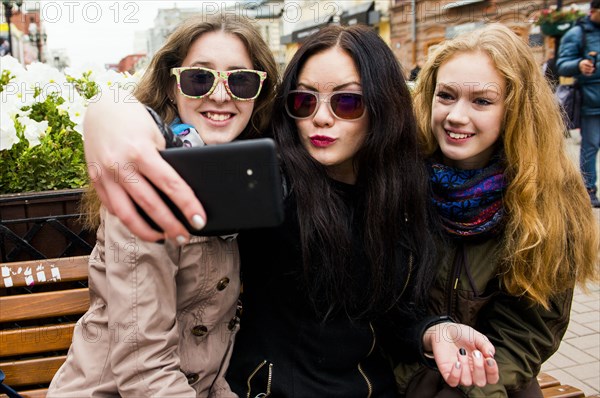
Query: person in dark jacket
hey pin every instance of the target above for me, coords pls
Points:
(581, 62)
(414, 72)
(519, 230)
(550, 72)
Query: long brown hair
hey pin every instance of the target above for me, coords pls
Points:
(157, 82)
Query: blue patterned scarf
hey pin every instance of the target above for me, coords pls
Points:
(469, 202)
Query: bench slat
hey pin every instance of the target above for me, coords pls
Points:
(25, 273)
(545, 381)
(42, 305)
(36, 339)
(31, 371)
(562, 391)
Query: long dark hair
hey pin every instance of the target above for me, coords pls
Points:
(391, 184)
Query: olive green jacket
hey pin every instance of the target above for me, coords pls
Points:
(469, 290)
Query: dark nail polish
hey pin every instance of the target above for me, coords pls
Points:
(462, 351)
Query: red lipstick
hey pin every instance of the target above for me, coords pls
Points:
(321, 141)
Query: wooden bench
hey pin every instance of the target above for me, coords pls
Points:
(551, 388)
(40, 302)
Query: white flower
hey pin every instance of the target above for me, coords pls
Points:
(12, 64)
(87, 67)
(8, 133)
(11, 102)
(36, 82)
(75, 105)
(33, 84)
(46, 78)
(109, 80)
(33, 130)
(45, 73)
(76, 73)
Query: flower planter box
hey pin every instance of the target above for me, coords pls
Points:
(39, 225)
(555, 29)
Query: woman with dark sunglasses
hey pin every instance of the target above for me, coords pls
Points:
(163, 317)
(329, 295)
(333, 296)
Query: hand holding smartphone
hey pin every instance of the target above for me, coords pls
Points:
(238, 183)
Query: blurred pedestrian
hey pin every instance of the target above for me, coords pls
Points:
(414, 73)
(4, 47)
(550, 72)
(577, 57)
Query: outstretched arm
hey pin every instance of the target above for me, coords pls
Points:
(121, 142)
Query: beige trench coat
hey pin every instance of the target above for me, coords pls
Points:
(161, 321)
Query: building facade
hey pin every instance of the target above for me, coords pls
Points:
(266, 15)
(301, 18)
(418, 26)
(28, 34)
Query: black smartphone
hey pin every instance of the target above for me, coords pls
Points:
(238, 183)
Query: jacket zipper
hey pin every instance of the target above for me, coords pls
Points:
(360, 369)
(453, 279)
(269, 380)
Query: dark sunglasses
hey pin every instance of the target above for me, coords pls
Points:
(345, 105)
(198, 82)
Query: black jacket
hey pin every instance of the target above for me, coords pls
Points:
(284, 347)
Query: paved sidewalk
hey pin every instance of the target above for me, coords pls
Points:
(577, 361)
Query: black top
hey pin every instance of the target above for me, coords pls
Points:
(284, 346)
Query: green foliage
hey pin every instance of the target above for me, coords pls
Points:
(548, 16)
(5, 77)
(84, 85)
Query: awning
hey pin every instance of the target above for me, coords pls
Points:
(308, 29)
(461, 3)
(285, 39)
(358, 14)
